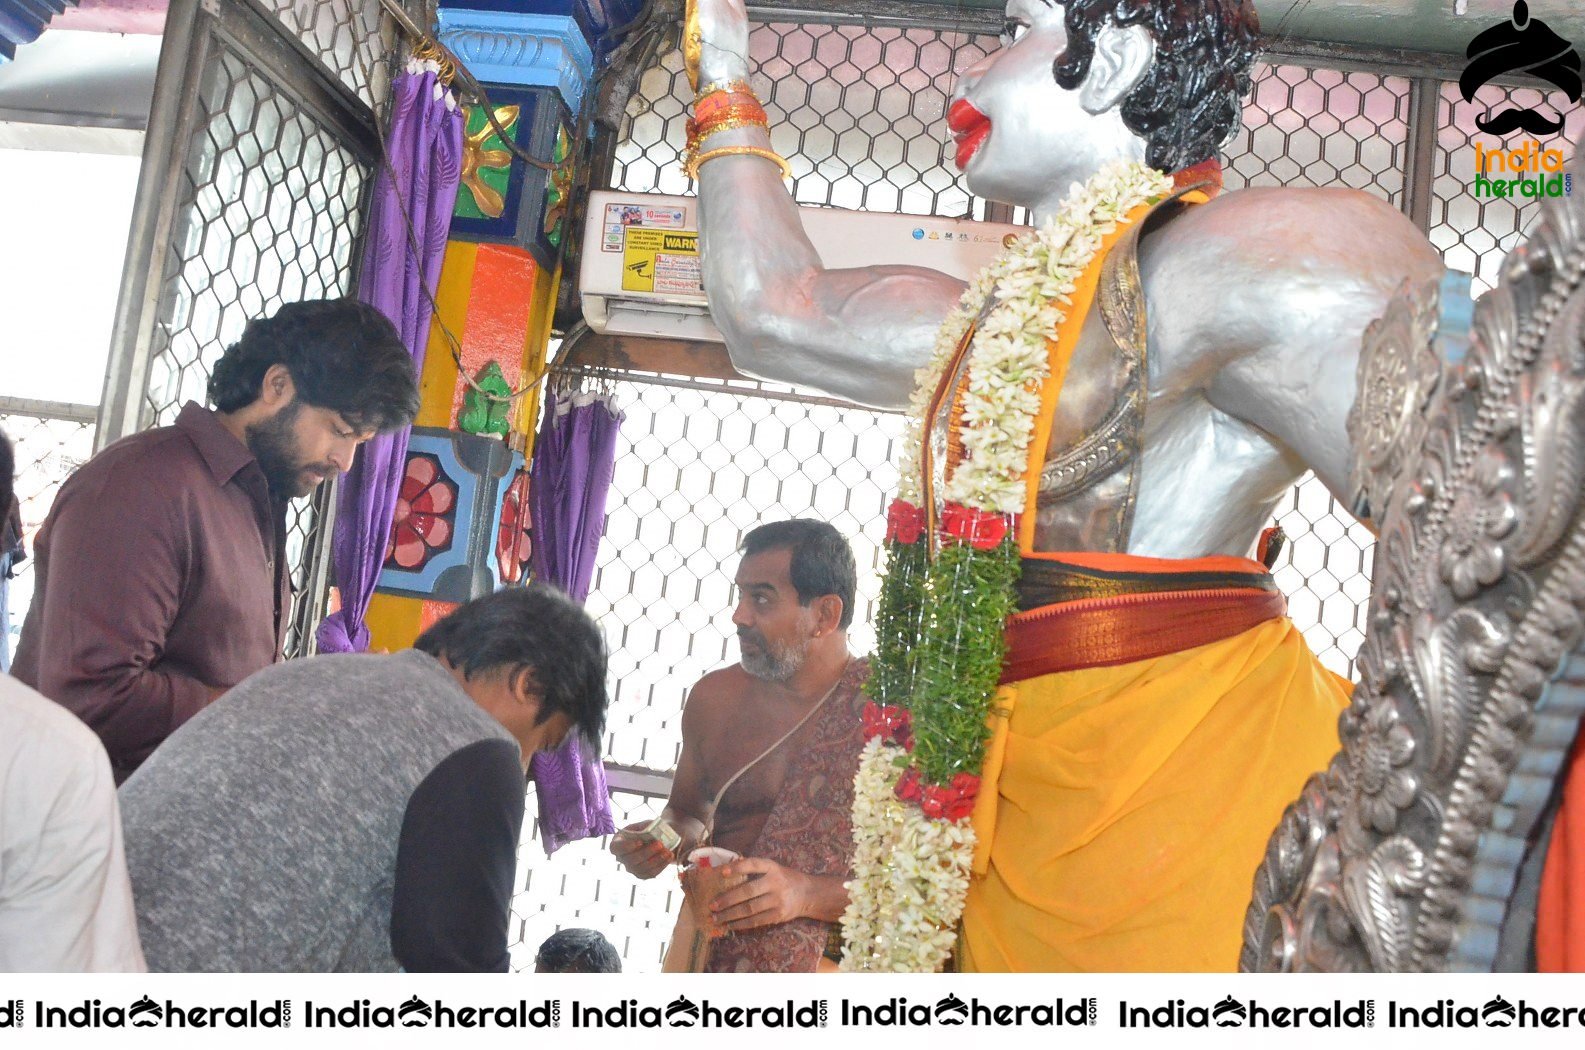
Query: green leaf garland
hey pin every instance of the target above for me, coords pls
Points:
(970, 593)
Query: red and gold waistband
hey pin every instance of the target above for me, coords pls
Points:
(1099, 610)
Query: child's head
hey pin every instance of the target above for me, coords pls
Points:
(577, 951)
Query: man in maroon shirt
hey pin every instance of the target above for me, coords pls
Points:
(160, 573)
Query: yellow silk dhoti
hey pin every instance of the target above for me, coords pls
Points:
(1125, 809)
(1162, 715)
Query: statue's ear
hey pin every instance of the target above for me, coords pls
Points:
(1121, 60)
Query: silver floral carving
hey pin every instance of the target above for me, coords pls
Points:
(1473, 556)
(1397, 369)
(1380, 766)
(1403, 854)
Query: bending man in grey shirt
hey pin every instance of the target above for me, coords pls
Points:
(361, 812)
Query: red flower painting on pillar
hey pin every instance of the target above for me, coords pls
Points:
(426, 508)
(513, 542)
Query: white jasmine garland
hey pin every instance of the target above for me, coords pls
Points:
(910, 874)
(910, 871)
(1033, 282)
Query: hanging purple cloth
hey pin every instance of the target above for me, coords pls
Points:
(574, 798)
(425, 151)
(574, 457)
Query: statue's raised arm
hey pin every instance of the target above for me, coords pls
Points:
(860, 333)
(1252, 305)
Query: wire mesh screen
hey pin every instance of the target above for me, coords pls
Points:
(272, 206)
(50, 441)
(1474, 231)
(700, 464)
(351, 38)
(581, 886)
(1322, 127)
(268, 210)
(857, 112)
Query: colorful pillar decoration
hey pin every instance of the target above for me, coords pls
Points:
(601, 23)
(496, 301)
(514, 545)
(523, 43)
(444, 535)
(503, 199)
(466, 525)
(486, 404)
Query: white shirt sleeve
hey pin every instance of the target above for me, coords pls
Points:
(65, 901)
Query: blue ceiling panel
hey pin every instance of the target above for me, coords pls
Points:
(21, 22)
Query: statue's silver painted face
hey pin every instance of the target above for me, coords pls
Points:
(1019, 137)
(1009, 118)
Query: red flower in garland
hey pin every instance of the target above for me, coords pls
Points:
(891, 723)
(907, 788)
(952, 802)
(425, 506)
(983, 530)
(905, 523)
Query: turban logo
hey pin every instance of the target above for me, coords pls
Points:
(1499, 1013)
(145, 1013)
(414, 1012)
(1520, 45)
(1229, 1013)
(682, 1013)
(951, 1010)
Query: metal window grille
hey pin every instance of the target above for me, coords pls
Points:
(1322, 127)
(1475, 233)
(857, 111)
(351, 38)
(50, 440)
(261, 146)
(581, 886)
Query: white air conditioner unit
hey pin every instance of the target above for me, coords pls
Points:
(640, 273)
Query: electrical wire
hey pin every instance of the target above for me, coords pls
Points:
(436, 317)
(425, 45)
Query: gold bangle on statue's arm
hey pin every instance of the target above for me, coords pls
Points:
(730, 87)
(698, 143)
(739, 151)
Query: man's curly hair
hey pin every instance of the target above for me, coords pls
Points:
(343, 355)
(1189, 102)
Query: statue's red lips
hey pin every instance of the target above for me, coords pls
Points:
(969, 129)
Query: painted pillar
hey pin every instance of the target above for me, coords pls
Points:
(458, 533)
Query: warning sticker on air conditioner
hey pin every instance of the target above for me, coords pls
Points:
(619, 218)
(663, 261)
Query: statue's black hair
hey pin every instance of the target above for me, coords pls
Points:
(1188, 104)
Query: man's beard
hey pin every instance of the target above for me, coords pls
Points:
(771, 661)
(274, 444)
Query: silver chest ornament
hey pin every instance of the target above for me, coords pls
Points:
(1416, 850)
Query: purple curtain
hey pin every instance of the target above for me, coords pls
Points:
(574, 456)
(425, 151)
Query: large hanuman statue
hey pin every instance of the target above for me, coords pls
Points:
(1101, 426)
